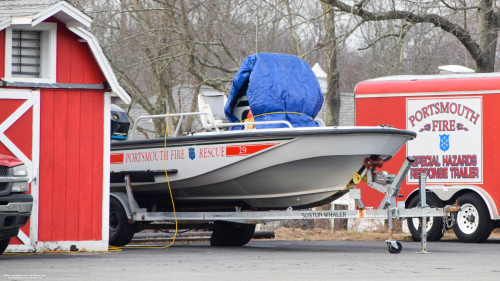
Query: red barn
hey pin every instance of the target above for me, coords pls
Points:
(54, 115)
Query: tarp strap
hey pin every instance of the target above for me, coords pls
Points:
(269, 113)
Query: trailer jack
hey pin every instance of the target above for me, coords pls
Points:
(391, 191)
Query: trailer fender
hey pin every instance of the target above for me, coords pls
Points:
(122, 197)
(446, 193)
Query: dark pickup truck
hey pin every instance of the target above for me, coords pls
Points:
(15, 202)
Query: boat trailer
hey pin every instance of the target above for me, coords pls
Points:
(380, 181)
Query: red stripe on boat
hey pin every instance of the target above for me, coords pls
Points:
(116, 158)
(246, 149)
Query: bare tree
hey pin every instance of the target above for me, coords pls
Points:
(165, 50)
(160, 47)
(332, 97)
(481, 46)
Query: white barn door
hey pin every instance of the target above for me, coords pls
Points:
(20, 138)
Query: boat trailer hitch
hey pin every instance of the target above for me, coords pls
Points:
(391, 185)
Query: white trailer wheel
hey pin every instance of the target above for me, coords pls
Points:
(473, 224)
(393, 250)
(428, 225)
(434, 225)
(468, 219)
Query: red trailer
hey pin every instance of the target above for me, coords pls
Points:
(456, 118)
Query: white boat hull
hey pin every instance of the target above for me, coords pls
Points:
(265, 171)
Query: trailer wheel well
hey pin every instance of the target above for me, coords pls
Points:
(458, 194)
(122, 198)
(450, 201)
(415, 193)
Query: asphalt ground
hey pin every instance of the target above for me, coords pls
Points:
(266, 260)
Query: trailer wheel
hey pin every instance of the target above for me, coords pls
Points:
(232, 234)
(3, 245)
(120, 231)
(434, 224)
(393, 250)
(474, 224)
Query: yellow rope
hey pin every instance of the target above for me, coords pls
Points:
(171, 197)
(114, 249)
(269, 113)
(173, 205)
(168, 182)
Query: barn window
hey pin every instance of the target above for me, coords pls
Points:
(26, 53)
(30, 53)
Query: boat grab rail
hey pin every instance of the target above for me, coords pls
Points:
(321, 123)
(216, 126)
(173, 115)
(256, 123)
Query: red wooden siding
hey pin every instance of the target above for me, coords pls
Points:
(71, 165)
(20, 133)
(71, 152)
(75, 62)
(97, 165)
(46, 184)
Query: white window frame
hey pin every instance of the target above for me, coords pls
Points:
(48, 52)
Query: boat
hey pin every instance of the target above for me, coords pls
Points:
(261, 169)
(278, 165)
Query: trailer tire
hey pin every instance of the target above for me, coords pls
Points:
(474, 224)
(434, 224)
(393, 250)
(3, 245)
(232, 234)
(120, 231)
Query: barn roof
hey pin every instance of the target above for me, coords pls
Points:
(23, 7)
(33, 12)
(22, 11)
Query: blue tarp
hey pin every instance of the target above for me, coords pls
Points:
(276, 83)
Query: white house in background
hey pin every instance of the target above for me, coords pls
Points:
(454, 69)
(346, 117)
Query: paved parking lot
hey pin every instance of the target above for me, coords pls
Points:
(266, 260)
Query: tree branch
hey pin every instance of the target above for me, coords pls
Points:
(460, 9)
(378, 39)
(292, 29)
(456, 30)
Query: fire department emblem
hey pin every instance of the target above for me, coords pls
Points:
(444, 144)
(192, 155)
